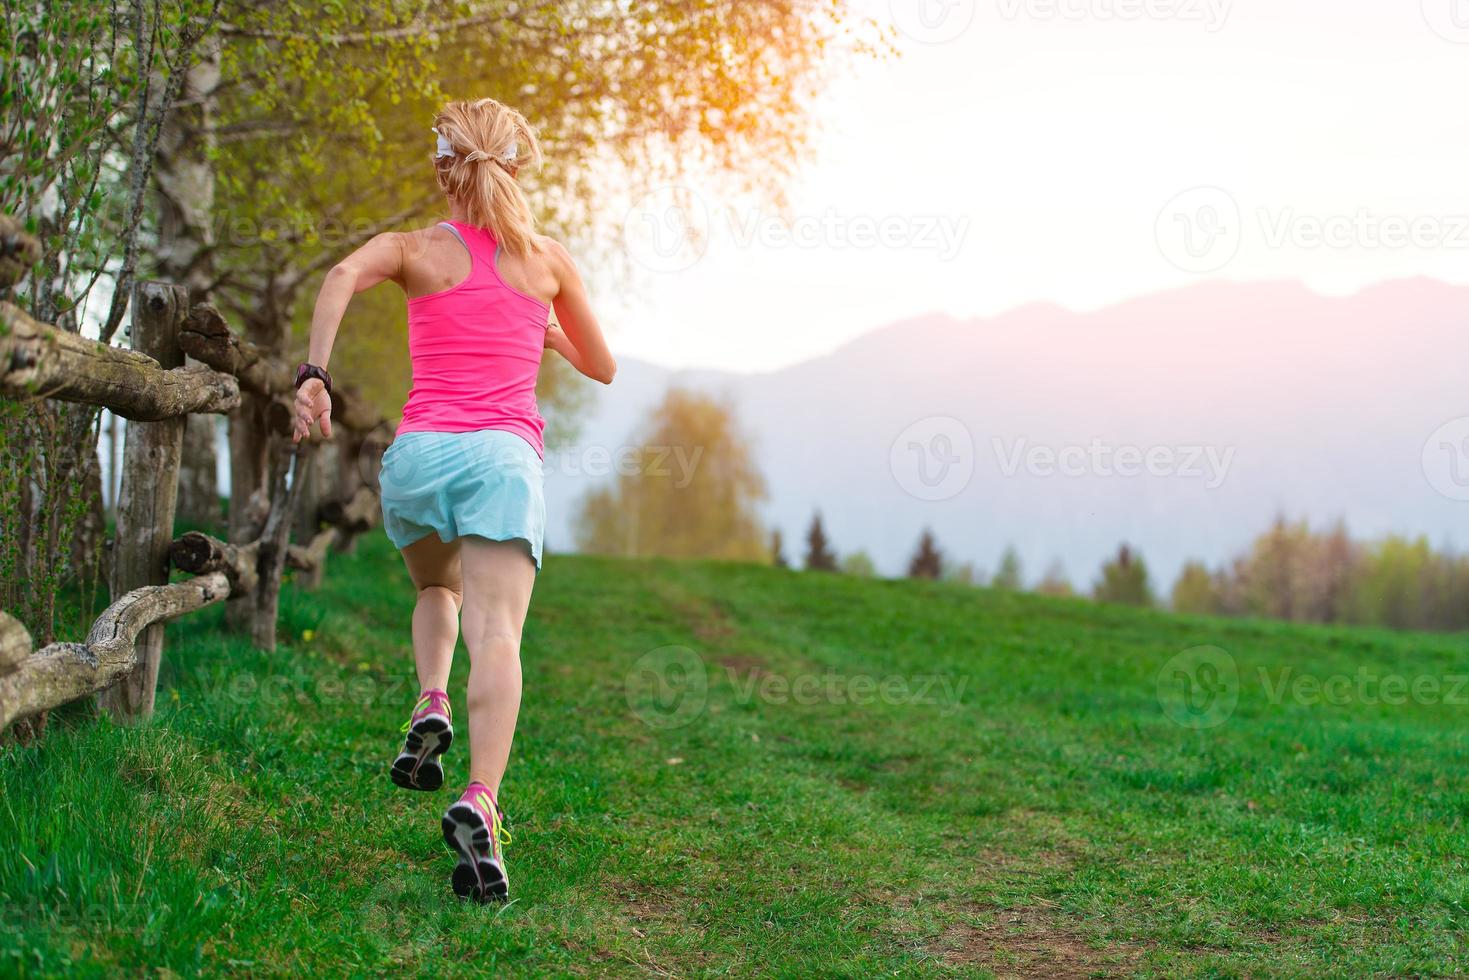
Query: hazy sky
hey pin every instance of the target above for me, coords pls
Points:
(1078, 151)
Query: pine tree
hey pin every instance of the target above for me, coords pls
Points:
(1011, 576)
(1124, 581)
(819, 556)
(928, 561)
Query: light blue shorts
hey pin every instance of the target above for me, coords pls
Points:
(487, 483)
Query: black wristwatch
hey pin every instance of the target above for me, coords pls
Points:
(305, 371)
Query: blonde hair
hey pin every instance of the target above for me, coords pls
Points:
(491, 141)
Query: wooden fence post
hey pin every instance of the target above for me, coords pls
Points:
(274, 541)
(149, 493)
(317, 488)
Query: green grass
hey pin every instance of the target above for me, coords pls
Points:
(1035, 813)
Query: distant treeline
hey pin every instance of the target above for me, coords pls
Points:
(1292, 572)
(709, 509)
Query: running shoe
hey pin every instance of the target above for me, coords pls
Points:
(429, 733)
(474, 829)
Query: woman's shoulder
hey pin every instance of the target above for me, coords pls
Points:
(553, 252)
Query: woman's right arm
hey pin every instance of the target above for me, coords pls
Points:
(590, 355)
(379, 260)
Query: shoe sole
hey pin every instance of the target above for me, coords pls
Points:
(417, 766)
(477, 877)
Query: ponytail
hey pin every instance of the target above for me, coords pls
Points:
(487, 144)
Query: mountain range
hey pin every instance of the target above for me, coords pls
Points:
(1181, 423)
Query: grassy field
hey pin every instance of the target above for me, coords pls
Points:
(725, 769)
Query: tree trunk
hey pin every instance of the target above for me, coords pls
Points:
(114, 461)
(91, 526)
(274, 542)
(145, 510)
(18, 252)
(183, 175)
(198, 481)
(316, 491)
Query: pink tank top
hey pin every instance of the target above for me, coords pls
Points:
(476, 351)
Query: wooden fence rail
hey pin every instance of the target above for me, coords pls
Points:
(150, 386)
(63, 672)
(36, 359)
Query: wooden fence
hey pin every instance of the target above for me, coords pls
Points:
(151, 387)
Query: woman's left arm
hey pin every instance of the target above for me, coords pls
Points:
(580, 338)
(379, 260)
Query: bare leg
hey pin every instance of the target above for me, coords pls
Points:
(498, 578)
(435, 570)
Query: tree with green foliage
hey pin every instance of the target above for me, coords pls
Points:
(1011, 576)
(1055, 582)
(819, 556)
(1196, 591)
(84, 92)
(693, 490)
(1293, 572)
(927, 561)
(858, 563)
(962, 573)
(1124, 580)
(1400, 584)
(321, 120)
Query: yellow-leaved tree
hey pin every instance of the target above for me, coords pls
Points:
(690, 489)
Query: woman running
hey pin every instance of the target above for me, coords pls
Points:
(461, 482)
